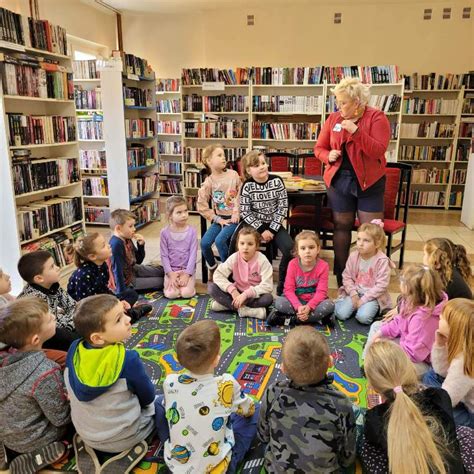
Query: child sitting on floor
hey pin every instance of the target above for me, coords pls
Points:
(250, 291)
(212, 422)
(34, 410)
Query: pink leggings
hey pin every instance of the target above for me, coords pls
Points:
(187, 291)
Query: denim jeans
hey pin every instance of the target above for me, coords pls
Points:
(220, 235)
(365, 314)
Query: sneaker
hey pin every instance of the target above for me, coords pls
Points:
(216, 306)
(138, 312)
(30, 463)
(275, 318)
(246, 312)
(126, 460)
(87, 461)
(330, 321)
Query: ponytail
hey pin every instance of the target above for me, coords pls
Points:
(393, 375)
(461, 262)
(83, 247)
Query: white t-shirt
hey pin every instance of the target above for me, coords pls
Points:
(198, 408)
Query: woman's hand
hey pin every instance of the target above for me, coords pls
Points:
(334, 155)
(349, 125)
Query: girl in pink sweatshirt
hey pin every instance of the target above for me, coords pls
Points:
(415, 325)
(452, 357)
(249, 291)
(366, 277)
(305, 294)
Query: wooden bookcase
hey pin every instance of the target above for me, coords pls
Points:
(48, 234)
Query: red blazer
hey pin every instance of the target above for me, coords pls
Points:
(365, 148)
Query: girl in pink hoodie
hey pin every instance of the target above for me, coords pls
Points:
(415, 325)
(366, 277)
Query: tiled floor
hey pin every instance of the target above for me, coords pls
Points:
(423, 225)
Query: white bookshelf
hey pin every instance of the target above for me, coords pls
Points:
(446, 146)
(12, 246)
(116, 111)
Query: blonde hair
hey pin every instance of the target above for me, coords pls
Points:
(387, 367)
(172, 203)
(423, 287)
(305, 355)
(354, 89)
(120, 217)
(376, 233)
(444, 255)
(306, 234)
(459, 315)
(252, 158)
(207, 154)
(83, 247)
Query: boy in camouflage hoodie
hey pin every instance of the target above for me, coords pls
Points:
(307, 424)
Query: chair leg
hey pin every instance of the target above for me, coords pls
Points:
(204, 269)
(402, 249)
(389, 245)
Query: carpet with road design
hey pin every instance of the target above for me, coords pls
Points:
(250, 351)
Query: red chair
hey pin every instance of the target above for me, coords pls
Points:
(280, 161)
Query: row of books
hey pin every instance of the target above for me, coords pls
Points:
(37, 175)
(136, 97)
(43, 216)
(215, 103)
(394, 129)
(192, 178)
(168, 106)
(87, 99)
(433, 198)
(140, 128)
(143, 185)
(468, 103)
(435, 81)
(170, 186)
(386, 103)
(194, 155)
(167, 85)
(59, 245)
(430, 176)
(198, 76)
(40, 129)
(192, 203)
(463, 151)
(95, 186)
(90, 126)
(170, 167)
(98, 214)
(287, 103)
(459, 176)
(287, 75)
(224, 128)
(417, 105)
(85, 69)
(169, 148)
(48, 37)
(466, 129)
(146, 211)
(285, 131)
(171, 126)
(92, 159)
(427, 130)
(425, 153)
(28, 76)
(139, 155)
(137, 66)
(455, 198)
(11, 29)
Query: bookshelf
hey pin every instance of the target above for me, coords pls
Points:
(40, 180)
(89, 113)
(169, 131)
(429, 140)
(129, 106)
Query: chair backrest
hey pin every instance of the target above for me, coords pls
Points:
(280, 161)
(398, 177)
(309, 165)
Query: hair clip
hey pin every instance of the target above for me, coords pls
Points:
(398, 389)
(378, 222)
(425, 268)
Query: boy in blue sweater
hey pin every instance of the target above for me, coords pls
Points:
(125, 265)
(113, 402)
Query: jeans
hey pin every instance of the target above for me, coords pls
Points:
(322, 311)
(225, 299)
(161, 423)
(244, 430)
(365, 314)
(462, 416)
(220, 235)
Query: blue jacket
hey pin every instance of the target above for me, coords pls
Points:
(89, 279)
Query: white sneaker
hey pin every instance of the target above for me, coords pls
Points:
(215, 306)
(246, 312)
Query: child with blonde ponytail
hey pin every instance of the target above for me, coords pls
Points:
(413, 427)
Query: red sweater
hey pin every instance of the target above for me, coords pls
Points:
(365, 148)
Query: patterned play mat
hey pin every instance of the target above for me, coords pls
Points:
(250, 351)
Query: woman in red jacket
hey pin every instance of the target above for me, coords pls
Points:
(352, 145)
